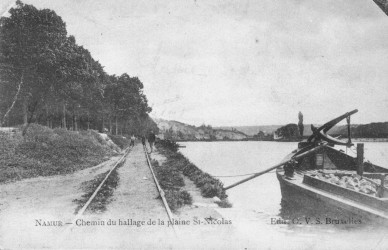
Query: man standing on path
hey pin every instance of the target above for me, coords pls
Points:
(132, 141)
(151, 139)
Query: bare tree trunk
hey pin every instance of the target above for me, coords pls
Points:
(47, 117)
(25, 111)
(35, 104)
(14, 101)
(103, 124)
(64, 116)
(88, 121)
(116, 126)
(110, 124)
(75, 123)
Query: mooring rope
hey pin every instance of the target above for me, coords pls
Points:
(237, 175)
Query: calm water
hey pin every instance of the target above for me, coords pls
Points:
(257, 202)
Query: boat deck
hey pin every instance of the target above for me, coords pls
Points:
(296, 184)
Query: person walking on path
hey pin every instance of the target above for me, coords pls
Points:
(143, 140)
(132, 144)
(151, 140)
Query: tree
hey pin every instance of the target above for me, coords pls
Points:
(46, 77)
(30, 43)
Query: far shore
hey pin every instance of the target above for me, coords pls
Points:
(249, 139)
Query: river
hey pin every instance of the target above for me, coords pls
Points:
(257, 203)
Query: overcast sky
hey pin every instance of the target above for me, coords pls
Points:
(241, 62)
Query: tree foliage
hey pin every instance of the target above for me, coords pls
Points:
(47, 78)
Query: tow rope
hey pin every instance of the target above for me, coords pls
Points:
(241, 174)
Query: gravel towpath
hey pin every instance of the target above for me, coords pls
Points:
(130, 220)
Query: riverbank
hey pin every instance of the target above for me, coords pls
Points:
(203, 217)
(370, 140)
(178, 165)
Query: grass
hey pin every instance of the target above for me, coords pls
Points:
(177, 199)
(172, 183)
(209, 186)
(44, 151)
(104, 195)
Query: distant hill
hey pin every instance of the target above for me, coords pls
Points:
(253, 130)
(267, 129)
(180, 131)
(371, 130)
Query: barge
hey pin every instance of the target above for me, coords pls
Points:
(318, 173)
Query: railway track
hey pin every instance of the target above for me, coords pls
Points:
(118, 163)
(89, 201)
(160, 190)
(91, 198)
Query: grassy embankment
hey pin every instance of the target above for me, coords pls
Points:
(119, 140)
(44, 151)
(170, 176)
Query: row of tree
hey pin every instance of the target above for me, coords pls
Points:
(47, 78)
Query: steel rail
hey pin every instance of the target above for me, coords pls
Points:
(85, 206)
(160, 190)
(83, 209)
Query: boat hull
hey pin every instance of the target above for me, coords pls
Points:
(329, 205)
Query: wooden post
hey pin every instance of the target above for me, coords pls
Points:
(360, 158)
(380, 189)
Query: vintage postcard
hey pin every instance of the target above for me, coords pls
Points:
(193, 124)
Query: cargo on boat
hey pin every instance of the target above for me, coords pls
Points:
(321, 173)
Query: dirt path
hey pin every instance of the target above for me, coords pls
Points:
(135, 213)
(31, 209)
(137, 196)
(24, 202)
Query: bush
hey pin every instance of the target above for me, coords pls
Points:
(209, 185)
(187, 199)
(120, 141)
(169, 145)
(171, 181)
(210, 190)
(177, 199)
(155, 163)
(169, 178)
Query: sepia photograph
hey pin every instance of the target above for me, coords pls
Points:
(193, 124)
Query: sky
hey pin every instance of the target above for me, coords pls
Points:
(233, 63)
